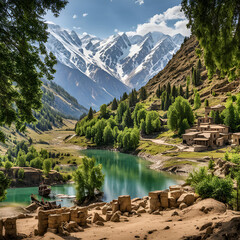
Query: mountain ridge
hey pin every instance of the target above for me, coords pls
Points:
(122, 61)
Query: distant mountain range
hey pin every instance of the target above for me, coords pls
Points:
(95, 71)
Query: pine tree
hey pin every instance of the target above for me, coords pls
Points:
(143, 94)
(197, 100)
(187, 92)
(174, 91)
(180, 90)
(124, 96)
(127, 119)
(90, 114)
(206, 103)
(158, 91)
(114, 104)
(169, 88)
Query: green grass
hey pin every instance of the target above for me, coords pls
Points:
(170, 137)
(213, 153)
(175, 162)
(81, 141)
(153, 148)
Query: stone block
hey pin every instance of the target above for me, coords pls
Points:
(187, 198)
(10, 226)
(172, 202)
(176, 194)
(115, 207)
(154, 204)
(154, 194)
(65, 217)
(175, 187)
(124, 202)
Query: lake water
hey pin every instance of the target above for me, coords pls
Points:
(124, 174)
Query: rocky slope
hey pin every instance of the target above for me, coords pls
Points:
(94, 70)
(180, 66)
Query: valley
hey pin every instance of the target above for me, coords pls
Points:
(120, 120)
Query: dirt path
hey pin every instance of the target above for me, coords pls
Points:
(162, 142)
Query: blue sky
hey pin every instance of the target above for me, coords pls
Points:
(103, 18)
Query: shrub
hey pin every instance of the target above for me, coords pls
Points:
(4, 184)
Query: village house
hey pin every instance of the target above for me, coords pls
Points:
(236, 139)
(206, 134)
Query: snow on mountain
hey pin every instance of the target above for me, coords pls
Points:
(95, 71)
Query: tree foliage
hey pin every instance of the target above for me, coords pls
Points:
(4, 184)
(179, 111)
(216, 24)
(88, 178)
(24, 59)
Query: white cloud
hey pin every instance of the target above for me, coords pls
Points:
(116, 30)
(140, 2)
(74, 16)
(85, 14)
(159, 23)
(77, 28)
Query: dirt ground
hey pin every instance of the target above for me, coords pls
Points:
(188, 222)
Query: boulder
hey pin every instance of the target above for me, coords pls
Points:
(104, 210)
(32, 207)
(65, 217)
(108, 216)
(182, 206)
(124, 202)
(115, 217)
(141, 210)
(99, 223)
(187, 198)
(97, 217)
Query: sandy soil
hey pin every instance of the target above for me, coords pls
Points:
(147, 226)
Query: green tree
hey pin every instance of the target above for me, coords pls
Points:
(108, 135)
(206, 103)
(21, 159)
(183, 126)
(47, 165)
(4, 184)
(143, 94)
(168, 88)
(187, 92)
(230, 117)
(8, 165)
(127, 119)
(103, 111)
(179, 111)
(216, 26)
(90, 114)
(24, 58)
(21, 173)
(114, 104)
(197, 100)
(88, 178)
(120, 111)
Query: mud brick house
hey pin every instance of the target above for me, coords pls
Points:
(236, 138)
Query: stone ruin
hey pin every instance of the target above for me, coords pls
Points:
(10, 226)
(63, 220)
(66, 220)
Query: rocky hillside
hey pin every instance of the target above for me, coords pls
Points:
(180, 67)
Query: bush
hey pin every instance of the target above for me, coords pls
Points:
(209, 186)
(47, 164)
(8, 165)
(4, 184)
(217, 188)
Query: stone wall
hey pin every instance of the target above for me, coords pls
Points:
(61, 220)
(10, 226)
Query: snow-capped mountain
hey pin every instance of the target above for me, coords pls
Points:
(95, 71)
